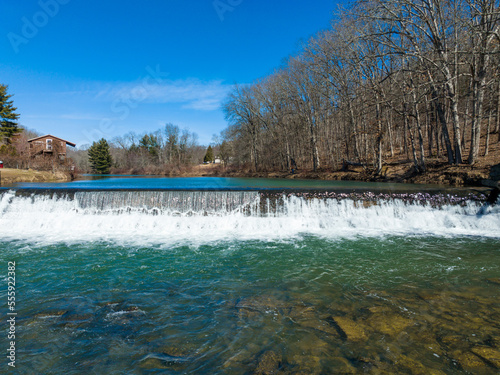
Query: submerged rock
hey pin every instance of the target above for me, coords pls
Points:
(380, 309)
(262, 304)
(428, 342)
(453, 341)
(51, 314)
(309, 344)
(494, 280)
(238, 360)
(119, 312)
(153, 363)
(306, 364)
(259, 308)
(349, 329)
(70, 319)
(341, 365)
(162, 361)
(405, 364)
(490, 355)
(320, 325)
(167, 358)
(430, 295)
(469, 362)
(389, 324)
(48, 317)
(247, 314)
(301, 311)
(269, 363)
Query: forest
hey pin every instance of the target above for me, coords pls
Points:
(166, 151)
(397, 79)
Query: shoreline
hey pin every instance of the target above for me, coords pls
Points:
(438, 173)
(11, 175)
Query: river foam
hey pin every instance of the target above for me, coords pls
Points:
(199, 217)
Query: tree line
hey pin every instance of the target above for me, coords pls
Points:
(410, 78)
(166, 151)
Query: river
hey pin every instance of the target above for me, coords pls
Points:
(205, 275)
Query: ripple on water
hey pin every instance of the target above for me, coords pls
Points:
(393, 304)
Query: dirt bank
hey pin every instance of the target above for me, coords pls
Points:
(438, 172)
(10, 176)
(397, 168)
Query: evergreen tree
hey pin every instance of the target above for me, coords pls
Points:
(99, 157)
(149, 142)
(209, 156)
(8, 117)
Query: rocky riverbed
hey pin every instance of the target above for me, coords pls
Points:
(410, 329)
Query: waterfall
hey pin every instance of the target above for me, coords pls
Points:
(168, 217)
(167, 202)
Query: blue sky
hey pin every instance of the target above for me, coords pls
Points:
(86, 69)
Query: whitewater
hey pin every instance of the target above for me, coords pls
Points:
(201, 217)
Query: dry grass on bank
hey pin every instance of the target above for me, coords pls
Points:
(11, 175)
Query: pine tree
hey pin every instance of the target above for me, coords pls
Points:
(149, 142)
(209, 156)
(99, 157)
(8, 117)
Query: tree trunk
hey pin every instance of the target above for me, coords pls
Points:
(497, 127)
(429, 128)
(466, 120)
(444, 128)
(314, 145)
(477, 113)
(420, 137)
(455, 121)
(412, 141)
(288, 157)
(379, 137)
(389, 130)
(438, 138)
(354, 132)
(486, 146)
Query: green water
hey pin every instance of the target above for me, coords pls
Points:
(315, 306)
(176, 280)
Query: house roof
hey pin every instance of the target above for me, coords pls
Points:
(49, 135)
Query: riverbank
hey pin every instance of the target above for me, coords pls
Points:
(396, 169)
(11, 175)
(399, 171)
(438, 173)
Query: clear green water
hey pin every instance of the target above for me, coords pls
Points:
(417, 303)
(232, 282)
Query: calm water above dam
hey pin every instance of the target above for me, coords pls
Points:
(106, 182)
(148, 280)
